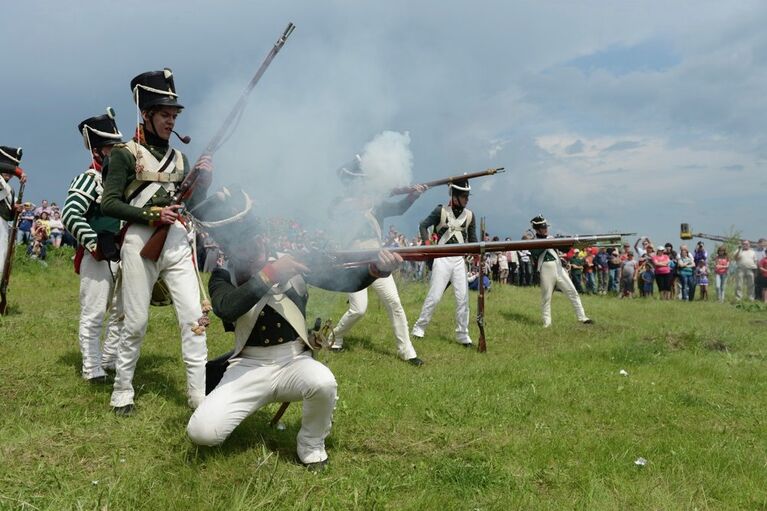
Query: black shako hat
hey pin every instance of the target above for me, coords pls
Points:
(229, 217)
(154, 88)
(351, 171)
(100, 131)
(539, 222)
(460, 186)
(9, 158)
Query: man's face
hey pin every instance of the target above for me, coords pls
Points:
(161, 121)
(461, 199)
(106, 150)
(746, 244)
(543, 231)
(249, 253)
(6, 176)
(44, 203)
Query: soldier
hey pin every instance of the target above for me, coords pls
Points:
(97, 253)
(9, 167)
(265, 298)
(453, 223)
(552, 274)
(371, 237)
(141, 178)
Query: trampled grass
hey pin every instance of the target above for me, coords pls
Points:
(543, 420)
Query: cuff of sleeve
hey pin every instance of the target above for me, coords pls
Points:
(258, 286)
(18, 172)
(267, 275)
(151, 216)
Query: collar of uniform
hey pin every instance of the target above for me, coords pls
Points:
(153, 140)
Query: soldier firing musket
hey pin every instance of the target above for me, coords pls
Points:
(371, 213)
(264, 294)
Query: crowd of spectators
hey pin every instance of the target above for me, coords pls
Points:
(40, 227)
(625, 271)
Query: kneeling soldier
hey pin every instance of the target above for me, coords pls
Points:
(264, 294)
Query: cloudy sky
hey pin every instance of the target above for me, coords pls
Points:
(630, 116)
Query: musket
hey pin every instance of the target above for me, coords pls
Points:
(482, 346)
(153, 247)
(448, 180)
(606, 244)
(9, 255)
(356, 258)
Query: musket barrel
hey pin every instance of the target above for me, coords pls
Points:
(470, 175)
(231, 120)
(350, 258)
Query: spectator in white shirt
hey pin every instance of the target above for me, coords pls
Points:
(745, 259)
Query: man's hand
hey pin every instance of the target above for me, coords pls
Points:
(417, 191)
(204, 163)
(388, 261)
(284, 269)
(169, 214)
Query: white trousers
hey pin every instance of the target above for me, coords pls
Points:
(744, 283)
(262, 375)
(358, 304)
(444, 270)
(4, 233)
(99, 295)
(176, 268)
(552, 275)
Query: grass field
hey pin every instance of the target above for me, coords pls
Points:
(543, 420)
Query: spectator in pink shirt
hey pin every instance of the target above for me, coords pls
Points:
(661, 261)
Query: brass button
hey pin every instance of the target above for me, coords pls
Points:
(263, 328)
(262, 314)
(266, 341)
(279, 325)
(279, 340)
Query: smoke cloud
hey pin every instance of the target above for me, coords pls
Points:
(387, 163)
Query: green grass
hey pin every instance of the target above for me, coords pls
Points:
(543, 420)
